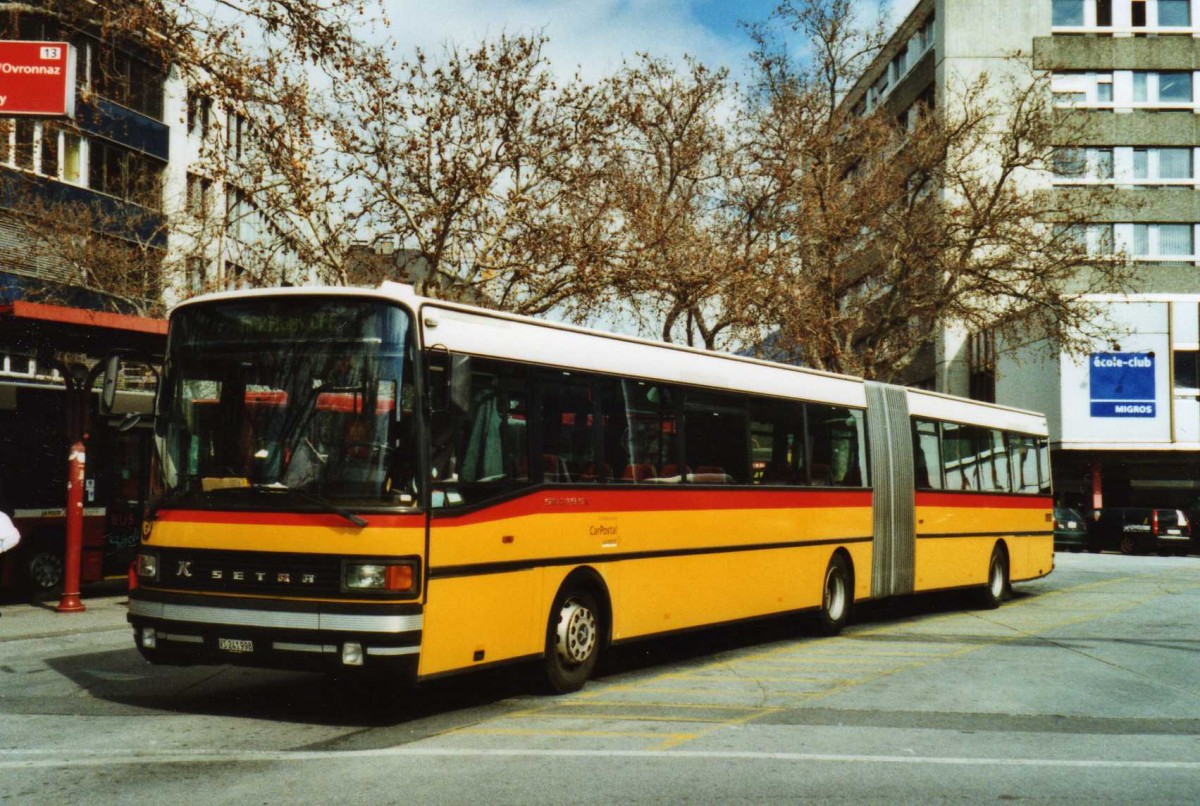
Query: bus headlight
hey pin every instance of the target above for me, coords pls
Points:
(147, 565)
(380, 577)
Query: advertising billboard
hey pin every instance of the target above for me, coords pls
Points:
(37, 78)
(1119, 392)
(1122, 384)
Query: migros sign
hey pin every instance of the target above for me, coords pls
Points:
(37, 78)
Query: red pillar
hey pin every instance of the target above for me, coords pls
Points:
(70, 602)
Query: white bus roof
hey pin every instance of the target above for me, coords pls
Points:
(483, 332)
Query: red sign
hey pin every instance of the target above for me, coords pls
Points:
(37, 78)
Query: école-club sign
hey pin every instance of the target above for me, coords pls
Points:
(37, 78)
(1122, 384)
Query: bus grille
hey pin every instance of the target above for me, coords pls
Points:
(308, 575)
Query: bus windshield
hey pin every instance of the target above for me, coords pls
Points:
(312, 395)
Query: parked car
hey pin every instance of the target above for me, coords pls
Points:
(1136, 530)
(1070, 529)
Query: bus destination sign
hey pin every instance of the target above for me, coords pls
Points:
(37, 78)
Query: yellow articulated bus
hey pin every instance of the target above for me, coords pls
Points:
(367, 478)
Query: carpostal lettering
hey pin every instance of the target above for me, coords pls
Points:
(1135, 362)
(8, 68)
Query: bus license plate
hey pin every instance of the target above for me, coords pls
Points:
(235, 645)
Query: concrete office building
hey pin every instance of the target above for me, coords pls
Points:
(1124, 419)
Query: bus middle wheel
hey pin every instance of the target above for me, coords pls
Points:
(836, 597)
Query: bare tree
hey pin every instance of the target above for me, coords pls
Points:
(897, 231)
(478, 165)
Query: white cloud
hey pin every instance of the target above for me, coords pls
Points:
(590, 35)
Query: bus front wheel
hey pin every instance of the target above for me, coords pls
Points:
(996, 589)
(572, 641)
(835, 597)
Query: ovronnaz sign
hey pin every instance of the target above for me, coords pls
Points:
(37, 78)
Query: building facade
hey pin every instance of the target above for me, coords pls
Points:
(1125, 416)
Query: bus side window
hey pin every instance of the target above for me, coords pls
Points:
(1000, 462)
(777, 442)
(567, 424)
(927, 455)
(714, 428)
(958, 457)
(837, 446)
(650, 438)
(486, 452)
(1023, 453)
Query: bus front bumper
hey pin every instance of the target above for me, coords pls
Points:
(185, 630)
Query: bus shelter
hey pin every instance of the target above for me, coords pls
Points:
(49, 357)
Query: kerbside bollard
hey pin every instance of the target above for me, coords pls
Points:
(70, 602)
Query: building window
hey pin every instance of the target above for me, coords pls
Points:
(1083, 163)
(1163, 241)
(1187, 372)
(129, 81)
(981, 366)
(125, 173)
(196, 278)
(1174, 14)
(1094, 239)
(1104, 17)
(199, 114)
(1069, 89)
(72, 158)
(235, 275)
(199, 193)
(26, 131)
(1137, 13)
(1162, 163)
(1162, 87)
(1067, 12)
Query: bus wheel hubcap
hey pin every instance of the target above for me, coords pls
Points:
(576, 633)
(835, 595)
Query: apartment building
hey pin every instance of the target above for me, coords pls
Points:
(1125, 417)
(151, 166)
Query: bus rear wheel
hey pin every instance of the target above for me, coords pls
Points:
(572, 641)
(836, 597)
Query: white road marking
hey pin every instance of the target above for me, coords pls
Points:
(34, 759)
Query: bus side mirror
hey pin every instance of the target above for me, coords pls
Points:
(138, 395)
(108, 396)
(460, 383)
(449, 382)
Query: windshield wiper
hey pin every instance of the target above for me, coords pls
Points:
(324, 504)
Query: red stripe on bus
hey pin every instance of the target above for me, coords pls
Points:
(981, 500)
(657, 500)
(559, 502)
(416, 520)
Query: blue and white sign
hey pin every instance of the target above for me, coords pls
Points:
(1122, 384)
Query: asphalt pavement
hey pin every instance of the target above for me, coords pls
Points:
(106, 604)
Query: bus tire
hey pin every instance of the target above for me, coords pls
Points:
(996, 589)
(836, 597)
(573, 636)
(42, 566)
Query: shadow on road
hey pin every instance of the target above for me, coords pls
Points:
(122, 677)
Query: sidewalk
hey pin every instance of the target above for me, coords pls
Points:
(106, 604)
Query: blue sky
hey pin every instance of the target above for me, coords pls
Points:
(594, 36)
